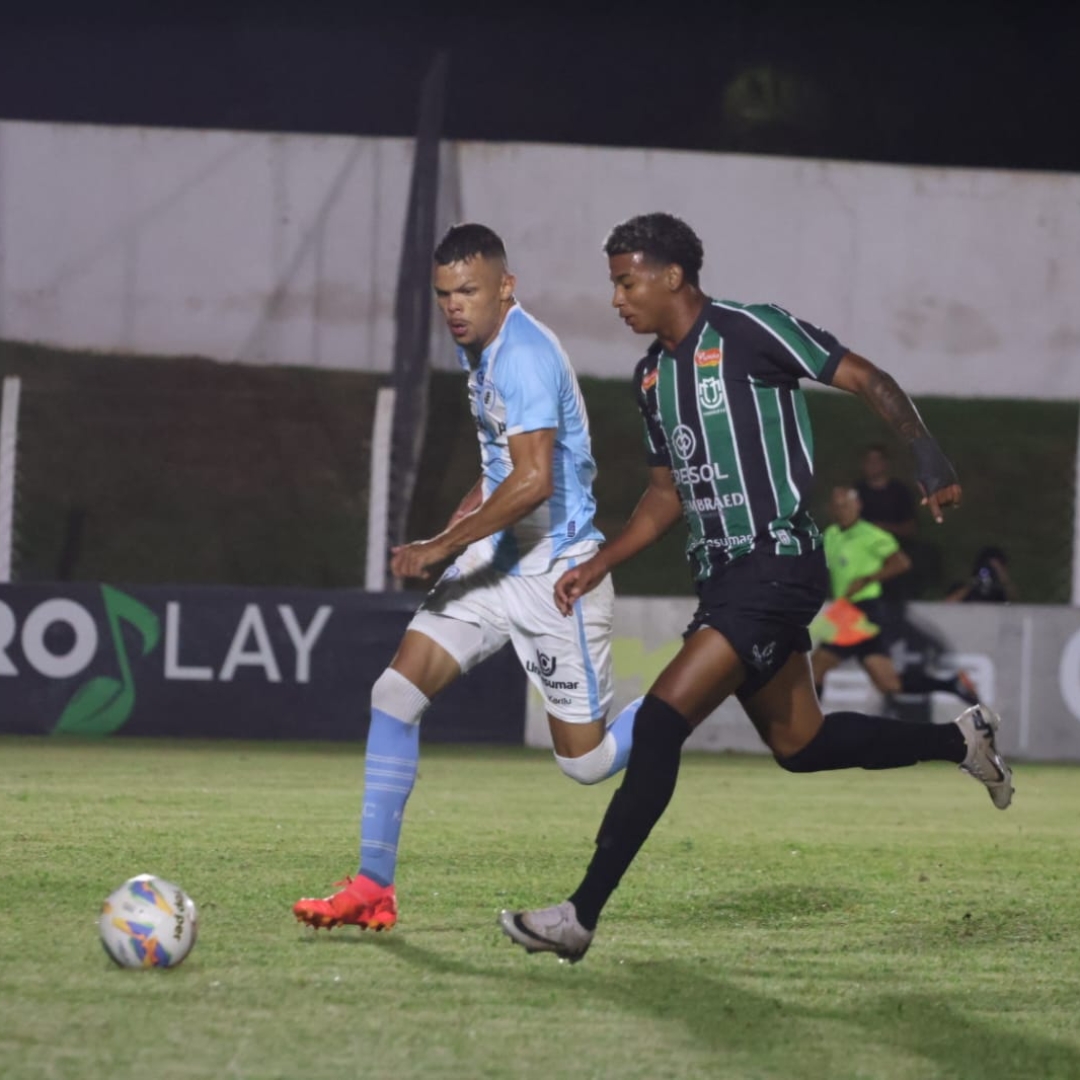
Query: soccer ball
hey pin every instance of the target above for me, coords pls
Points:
(148, 923)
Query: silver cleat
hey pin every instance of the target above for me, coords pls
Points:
(978, 726)
(554, 929)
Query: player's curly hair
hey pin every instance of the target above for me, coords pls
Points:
(466, 241)
(661, 238)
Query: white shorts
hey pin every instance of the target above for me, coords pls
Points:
(472, 613)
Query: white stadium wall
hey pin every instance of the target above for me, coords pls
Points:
(261, 248)
(284, 248)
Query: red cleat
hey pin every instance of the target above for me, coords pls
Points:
(360, 903)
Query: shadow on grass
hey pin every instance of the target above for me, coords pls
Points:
(781, 905)
(728, 1019)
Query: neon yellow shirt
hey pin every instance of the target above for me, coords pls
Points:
(857, 552)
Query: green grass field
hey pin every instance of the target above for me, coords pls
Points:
(887, 925)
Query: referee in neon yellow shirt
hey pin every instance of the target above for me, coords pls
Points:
(860, 557)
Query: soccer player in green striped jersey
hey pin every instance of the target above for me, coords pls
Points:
(730, 450)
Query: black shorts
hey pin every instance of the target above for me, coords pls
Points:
(878, 614)
(763, 604)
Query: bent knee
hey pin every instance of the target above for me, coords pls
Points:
(592, 766)
(794, 763)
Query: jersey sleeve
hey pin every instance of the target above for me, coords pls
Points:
(529, 381)
(656, 448)
(794, 346)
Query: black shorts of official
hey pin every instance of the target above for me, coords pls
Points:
(878, 614)
(763, 603)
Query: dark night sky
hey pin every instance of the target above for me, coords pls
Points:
(961, 85)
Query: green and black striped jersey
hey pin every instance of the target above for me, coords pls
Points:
(726, 414)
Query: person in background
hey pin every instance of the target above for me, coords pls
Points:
(990, 582)
(861, 559)
(886, 501)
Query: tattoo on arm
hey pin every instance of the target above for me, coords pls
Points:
(883, 394)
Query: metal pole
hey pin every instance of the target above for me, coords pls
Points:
(9, 430)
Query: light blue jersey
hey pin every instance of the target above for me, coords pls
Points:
(524, 382)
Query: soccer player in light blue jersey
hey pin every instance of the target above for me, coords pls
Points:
(526, 522)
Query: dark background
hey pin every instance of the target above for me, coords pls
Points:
(955, 84)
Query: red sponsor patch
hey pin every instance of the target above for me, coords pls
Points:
(708, 357)
(649, 379)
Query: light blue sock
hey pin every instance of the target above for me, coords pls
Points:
(393, 750)
(621, 732)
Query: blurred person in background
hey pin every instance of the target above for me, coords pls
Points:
(727, 441)
(890, 504)
(862, 558)
(886, 501)
(522, 525)
(990, 582)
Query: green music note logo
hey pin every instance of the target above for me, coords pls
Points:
(104, 704)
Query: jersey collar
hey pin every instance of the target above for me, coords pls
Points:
(686, 348)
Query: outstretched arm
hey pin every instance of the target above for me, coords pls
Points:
(468, 504)
(529, 483)
(933, 470)
(657, 510)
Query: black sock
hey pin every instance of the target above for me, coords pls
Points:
(849, 740)
(915, 681)
(646, 789)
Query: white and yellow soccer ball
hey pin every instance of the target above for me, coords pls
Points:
(148, 923)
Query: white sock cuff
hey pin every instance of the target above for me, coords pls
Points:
(592, 767)
(393, 694)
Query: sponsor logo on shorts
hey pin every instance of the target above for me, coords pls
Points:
(760, 657)
(546, 664)
(545, 667)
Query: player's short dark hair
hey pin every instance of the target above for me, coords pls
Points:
(877, 448)
(467, 240)
(661, 238)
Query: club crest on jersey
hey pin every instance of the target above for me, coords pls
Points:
(709, 357)
(711, 393)
(685, 441)
(649, 379)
